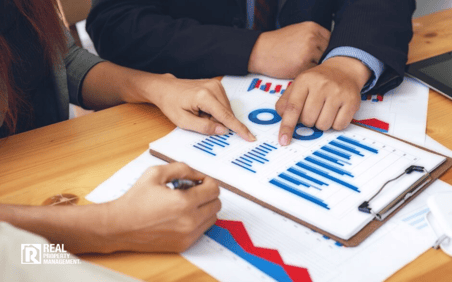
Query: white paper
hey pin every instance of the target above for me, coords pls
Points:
(399, 241)
(118, 184)
(403, 108)
(330, 206)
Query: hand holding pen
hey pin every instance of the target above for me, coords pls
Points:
(150, 217)
(183, 184)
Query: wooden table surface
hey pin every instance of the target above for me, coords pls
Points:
(75, 156)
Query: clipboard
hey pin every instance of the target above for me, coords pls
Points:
(367, 230)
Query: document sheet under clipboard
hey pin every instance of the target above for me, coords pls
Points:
(321, 178)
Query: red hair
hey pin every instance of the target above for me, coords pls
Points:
(45, 18)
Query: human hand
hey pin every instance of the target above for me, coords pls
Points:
(199, 105)
(150, 217)
(325, 96)
(286, 52)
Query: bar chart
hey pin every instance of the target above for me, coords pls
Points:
(255, 157)
(212, 144)
(403, 109)
(326, 174)
(269, 87)
(328, 177)
(328, 165)
(417, 218)
(373, 98)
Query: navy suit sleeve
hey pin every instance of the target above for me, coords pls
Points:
(381, 28)
(140, 34)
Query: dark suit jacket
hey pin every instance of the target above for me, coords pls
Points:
(207, 38)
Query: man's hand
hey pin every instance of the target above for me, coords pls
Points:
(150, 217)
(325, 96)
(286, 52)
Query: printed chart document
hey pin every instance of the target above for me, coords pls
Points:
(247, 237)
(321, 178)
(401, 112)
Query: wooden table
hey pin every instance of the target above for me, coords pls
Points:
(77, 155)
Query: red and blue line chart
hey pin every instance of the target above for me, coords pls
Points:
(233, 236)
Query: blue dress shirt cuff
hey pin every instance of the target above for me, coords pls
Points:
(376, 66)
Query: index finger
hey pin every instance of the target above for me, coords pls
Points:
(225, 116)
(291, 114)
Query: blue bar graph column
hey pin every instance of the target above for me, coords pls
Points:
(299, 193)
(213, 143)
(255, 156)
(331, 164)
(326, 175)
(328, 167)
(357, 143)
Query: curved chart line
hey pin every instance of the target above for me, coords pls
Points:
(233, 236)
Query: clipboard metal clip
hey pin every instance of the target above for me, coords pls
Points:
(364, 207)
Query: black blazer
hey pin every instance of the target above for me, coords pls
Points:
(207, 38)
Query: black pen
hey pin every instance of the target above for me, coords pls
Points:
(184, 184)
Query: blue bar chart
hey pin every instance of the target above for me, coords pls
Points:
(321, 177)
(329, 165)
(212, 144)
(417, 219)
(255, 157)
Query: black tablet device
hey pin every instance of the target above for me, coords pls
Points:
(435, 72)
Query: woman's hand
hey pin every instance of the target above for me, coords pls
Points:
(199, 105)
(151, 217)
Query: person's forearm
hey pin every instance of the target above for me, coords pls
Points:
(355, 27)
(142, 35)
(79, 228)
(107, 85)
